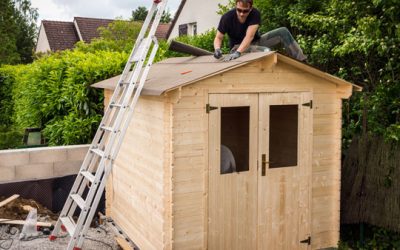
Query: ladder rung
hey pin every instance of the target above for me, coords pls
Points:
(139, 52)
(88, 176)
(123, 83)
(97, 151)
(107, 128)
(69, 224)
(78, 200)
(115, 105)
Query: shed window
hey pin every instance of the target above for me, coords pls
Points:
(283, 134)
(235, 139)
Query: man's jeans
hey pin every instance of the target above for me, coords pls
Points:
(282, 36)
(279, 36)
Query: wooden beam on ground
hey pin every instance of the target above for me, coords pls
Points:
(22, 222)
(123, 243)
(9, 199)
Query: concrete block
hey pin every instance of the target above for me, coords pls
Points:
(13, 158)
(47, 155)
(34, 171)
(66, 168)
(7, 174)
(77, 153)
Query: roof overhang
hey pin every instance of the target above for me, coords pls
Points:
(177, 72)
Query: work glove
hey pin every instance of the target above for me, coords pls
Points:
(218, 53)
(232, 56)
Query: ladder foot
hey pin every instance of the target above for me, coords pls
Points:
(157, 1)
(63, 228)
(52, 237)
(77, 248)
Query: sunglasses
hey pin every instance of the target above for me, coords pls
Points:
(244, 11)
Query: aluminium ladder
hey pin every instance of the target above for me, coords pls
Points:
(98, 161)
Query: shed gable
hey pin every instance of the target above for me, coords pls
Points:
(174, 73)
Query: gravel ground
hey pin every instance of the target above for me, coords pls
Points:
(100, 238)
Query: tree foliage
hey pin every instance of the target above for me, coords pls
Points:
(119, 35)
(18, 31)
(141, 12)
(355, 40)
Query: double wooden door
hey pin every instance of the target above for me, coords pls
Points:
(259, 171)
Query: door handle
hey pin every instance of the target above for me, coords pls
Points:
(263, 164)
(306, 241)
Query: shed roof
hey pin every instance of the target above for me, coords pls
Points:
(176, 72)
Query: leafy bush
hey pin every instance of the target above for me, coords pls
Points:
(10, 137)
(119, 36)
(376, 238)
(71, 129)
(7, 78)
(54, 93)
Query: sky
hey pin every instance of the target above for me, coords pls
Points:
(66, 10)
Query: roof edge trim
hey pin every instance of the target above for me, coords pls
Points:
(317, 72)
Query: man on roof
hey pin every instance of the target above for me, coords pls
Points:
(241, 24)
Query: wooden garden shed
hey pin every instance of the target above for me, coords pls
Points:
(231, 155)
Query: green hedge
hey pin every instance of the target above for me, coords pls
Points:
(7, 78)
(54, 93)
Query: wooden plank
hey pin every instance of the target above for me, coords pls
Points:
(189, 114)
(290, 81)
(324, 98)
(189, 102)
(22, 222)
(138, 183)
(142, 237)
(322, 165)
(327, 124)
(167, 173)
(232, 201)
(325, 239)
(285, 191)
(9, 199)
(189, 150)
(123, 243)
(188, 138)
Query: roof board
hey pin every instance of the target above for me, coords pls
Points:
(176, 72)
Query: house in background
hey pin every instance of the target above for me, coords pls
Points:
(195, 17)
(59, 35)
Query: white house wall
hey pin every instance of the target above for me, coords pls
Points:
(203, 12)
(42, 42)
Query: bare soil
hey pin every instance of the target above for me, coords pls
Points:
(15, 211)
(98, 238)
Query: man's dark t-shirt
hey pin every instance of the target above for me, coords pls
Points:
(229, 24)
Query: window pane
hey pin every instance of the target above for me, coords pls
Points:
(183, 29)
(283, 135)
(235, 139)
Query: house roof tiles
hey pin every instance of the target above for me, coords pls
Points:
(61, 35)
(162, 30)
(64, 35)
(88, 27)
